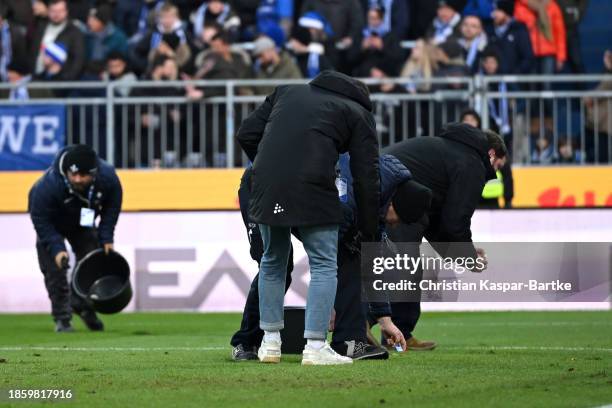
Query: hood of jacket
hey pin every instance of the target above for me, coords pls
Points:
(344, 85)
(473, 138)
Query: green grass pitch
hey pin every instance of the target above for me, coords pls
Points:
(520, 359)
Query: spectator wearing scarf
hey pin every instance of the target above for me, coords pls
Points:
(473, 41)
(18, 74)
(146, 19)
(499, 108)
(446, 24)
(379, 47)
(12, 43)
(308, 44)
(397, 15)
(215, 11)
(168, 23)
(7, 48)
(55, 55)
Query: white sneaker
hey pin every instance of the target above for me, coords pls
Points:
(323, 356)
(269, 352)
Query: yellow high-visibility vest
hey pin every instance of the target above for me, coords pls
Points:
(494, 188)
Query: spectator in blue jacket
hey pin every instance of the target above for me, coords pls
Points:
(103, 37)
(64, 204)
(275, 12)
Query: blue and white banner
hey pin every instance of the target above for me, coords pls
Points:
(31, 136)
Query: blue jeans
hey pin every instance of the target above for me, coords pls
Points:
(321, 245)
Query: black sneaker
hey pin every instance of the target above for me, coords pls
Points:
(63, 326)
(360, 350)
(91, 320)
(243, 353)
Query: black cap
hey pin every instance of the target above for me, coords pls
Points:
(80, 159)
(507, 6)
(19, 65)
(411, 201)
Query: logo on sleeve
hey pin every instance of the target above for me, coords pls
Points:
(278, 209)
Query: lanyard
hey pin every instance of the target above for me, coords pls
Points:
(90, 193)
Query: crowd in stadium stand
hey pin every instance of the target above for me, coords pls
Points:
(127, 40)
(77, 39)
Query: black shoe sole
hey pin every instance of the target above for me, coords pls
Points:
(380, 354)
(377, 354)
(93, 325)
(244, 358)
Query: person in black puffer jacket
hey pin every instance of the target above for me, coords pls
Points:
(294, 139)
(63, 204)
(455, 166)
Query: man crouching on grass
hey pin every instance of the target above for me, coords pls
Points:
(64, 204)
(350, 337)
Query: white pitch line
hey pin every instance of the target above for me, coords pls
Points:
(41, 348)
(528, 348)
(536, 324)
(442, 347)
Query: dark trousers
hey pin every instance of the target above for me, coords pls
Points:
(64, 301)
(250, 334)
(406, 315)
(574, 54)
(350, 322)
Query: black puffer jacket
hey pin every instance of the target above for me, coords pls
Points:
(294, 139)
(455, 166)
(55, 209)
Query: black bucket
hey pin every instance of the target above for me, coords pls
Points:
(103, 281)
(292, 335)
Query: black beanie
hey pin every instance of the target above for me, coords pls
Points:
(411, 201)
(507, 6)
(80, 159)
(19, 65)
(103, 12)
